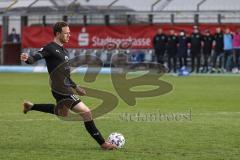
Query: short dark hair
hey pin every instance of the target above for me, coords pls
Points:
(58, 27)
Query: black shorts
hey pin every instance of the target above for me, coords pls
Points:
(60, 98)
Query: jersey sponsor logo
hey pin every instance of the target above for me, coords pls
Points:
(57, 51)
(66, 58)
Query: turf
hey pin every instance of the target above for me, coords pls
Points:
(208, 126)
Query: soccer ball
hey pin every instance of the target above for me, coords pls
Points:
(117, 139)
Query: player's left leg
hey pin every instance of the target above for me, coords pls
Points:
(198, 62)
(175, 64)
(86, 114)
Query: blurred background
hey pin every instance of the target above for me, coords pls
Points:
(25, 26)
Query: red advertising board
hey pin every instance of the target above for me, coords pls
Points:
(98, 36)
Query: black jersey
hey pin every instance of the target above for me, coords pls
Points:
(56, 58)
(196, 40)
(208, 43)
(53, 54)
(160, 41)
(219, 42)
(172, 44)
(183, 45)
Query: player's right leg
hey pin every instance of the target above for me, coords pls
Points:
(27, 105)
(47, 108)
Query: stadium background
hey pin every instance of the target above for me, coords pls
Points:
(116, 19)
(211, 100)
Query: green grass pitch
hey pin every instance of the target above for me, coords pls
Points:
(212, 133)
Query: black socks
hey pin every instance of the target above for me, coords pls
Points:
(89, 125)
(93, 131)
(48, 108)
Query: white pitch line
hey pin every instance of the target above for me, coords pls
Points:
(216, 113)
(26, 120)
(41, 119)
(108, 116)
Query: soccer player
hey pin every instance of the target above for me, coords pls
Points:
(196, 47)
(236, 45)
(183, 41)
(218, 50)
(228, 48)
(172, 50)
(55, 54)
(207, 49)
(159, 45)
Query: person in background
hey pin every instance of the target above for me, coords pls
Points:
(218, 50)
(137, 58)
(207, 49)
(236, 53)
(196, 47)
(228, 49)
(159, 45)
(13, 36)
(172, 51)
(183, 41)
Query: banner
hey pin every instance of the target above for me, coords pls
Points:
(91, 37)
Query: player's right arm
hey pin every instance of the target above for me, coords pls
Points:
(24, 57)
(30, 59)
(35, 57)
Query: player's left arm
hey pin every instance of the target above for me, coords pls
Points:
(75, 87)
(80, 91)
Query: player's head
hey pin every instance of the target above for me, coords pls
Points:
(227, 30)
(182, 33)
(218, 30)
(207, 32)
(160, 31)
(61, 32)
(171, 32)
